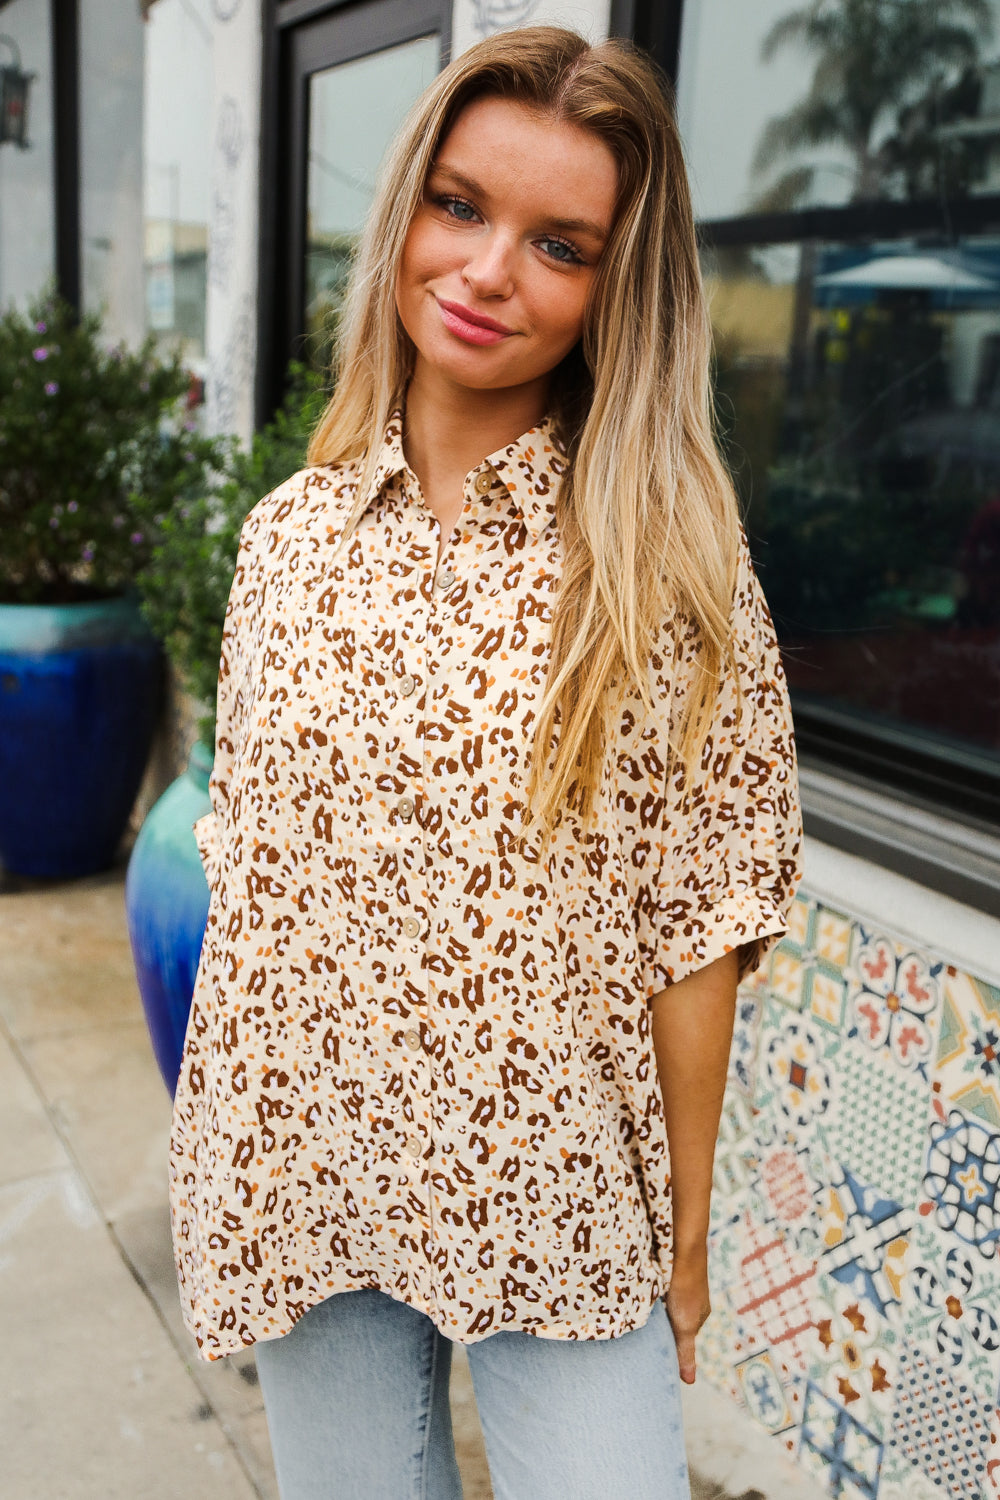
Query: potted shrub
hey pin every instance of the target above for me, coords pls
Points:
(185, 589)
(84, 430)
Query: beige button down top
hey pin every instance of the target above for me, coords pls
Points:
(419, 1056)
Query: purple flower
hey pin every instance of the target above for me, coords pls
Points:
(87, 554)
(118, 522)
(41, 327)
(72, 507)
(40, 353)
(52, 388)
(189, 458)
(135, 538)
(54, 522)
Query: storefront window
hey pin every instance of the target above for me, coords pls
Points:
(355, 109)
(176, 186)
(860, 385)
(111, 43)
(849, 101)
(27, 188)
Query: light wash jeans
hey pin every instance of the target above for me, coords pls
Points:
(357, 1404)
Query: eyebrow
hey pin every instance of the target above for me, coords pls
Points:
(569, 226)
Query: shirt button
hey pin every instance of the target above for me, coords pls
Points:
(412, 1039)
(484, 483)
(405, 808)
(406, 685)
(411, 927)
(414, 1147)
(446, 580)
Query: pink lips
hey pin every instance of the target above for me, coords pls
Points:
(471, 327)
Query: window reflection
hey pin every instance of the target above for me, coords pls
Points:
(861, 387)
(27, 188)
(176, 167)
(355, 109)
(844, 102)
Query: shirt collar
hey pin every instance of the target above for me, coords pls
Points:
(530, 469)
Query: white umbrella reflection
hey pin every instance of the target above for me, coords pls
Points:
(928, 273)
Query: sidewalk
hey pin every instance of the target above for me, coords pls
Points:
(102, 1396)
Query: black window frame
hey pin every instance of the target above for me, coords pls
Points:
(302, 37)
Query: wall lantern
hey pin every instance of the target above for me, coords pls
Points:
(14, 86)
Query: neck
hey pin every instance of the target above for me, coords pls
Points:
(449, 429)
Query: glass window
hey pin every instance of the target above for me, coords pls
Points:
(27, 188)
(355, 109)
(860, 386)
(111, 67)
(176, 186)
(842, 102)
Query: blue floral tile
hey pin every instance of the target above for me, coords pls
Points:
(968, 1058)
(962, 1180)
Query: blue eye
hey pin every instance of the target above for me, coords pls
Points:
(458, 208)
(560, 250)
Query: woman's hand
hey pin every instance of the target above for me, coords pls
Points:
(688, 1305)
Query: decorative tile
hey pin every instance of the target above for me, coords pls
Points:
(963, 1179)
(941, 1425)
(805, 970)
(731, 1172)
(968, 1058)
(866, 1238)
(772, 1294)
(746, 1034)
(898, 1000)
(837, 1447)
(785, 1186)
(833, 935)
(992, 1487)
(948, 1297)
(763, 1393)
(878, 1123)
(901, 1481)
(854, 1360)
(794, 1074)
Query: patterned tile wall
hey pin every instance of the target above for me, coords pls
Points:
(856, 1215)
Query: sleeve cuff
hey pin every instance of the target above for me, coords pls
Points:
(750, 920)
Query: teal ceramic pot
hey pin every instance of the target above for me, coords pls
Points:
(166, 901)
(80, 688)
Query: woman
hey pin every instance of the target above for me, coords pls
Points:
(504, 804)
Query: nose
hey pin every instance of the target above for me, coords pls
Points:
(489, 271)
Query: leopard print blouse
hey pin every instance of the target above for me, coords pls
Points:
(419, 1055)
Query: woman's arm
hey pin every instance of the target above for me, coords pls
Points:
(692, 1032)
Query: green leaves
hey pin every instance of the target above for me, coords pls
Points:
(84, 430)
(186, 584)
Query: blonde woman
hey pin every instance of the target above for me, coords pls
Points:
(504, 805)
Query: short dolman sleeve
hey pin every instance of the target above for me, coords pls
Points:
(722, 849)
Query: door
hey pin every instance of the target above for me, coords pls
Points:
(348, 79)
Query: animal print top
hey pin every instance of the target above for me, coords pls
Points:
(419, 1057)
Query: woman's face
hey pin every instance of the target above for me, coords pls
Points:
(504, 248)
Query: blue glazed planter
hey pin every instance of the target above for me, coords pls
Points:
(166, 901)
(79, 695)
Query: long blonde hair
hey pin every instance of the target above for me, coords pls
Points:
(646, 513)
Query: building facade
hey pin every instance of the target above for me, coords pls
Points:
(201, 168)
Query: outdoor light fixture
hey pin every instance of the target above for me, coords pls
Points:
(14, 86)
